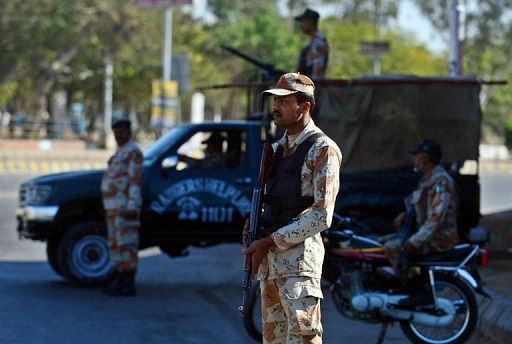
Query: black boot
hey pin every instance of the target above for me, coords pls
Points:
(126, 287)
(113, 284)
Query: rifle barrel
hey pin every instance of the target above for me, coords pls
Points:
(266, 66)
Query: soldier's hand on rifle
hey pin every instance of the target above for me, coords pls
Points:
(245, 232)
(399, 220)
(258, 249)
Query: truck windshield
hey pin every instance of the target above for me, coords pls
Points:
(163, 143)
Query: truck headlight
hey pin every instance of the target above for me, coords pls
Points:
(38, 194)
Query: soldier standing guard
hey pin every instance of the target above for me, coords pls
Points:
(120, 189)
(314, 56)
(300, 193)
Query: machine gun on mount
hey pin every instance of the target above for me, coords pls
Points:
(269, 72)
(266, 76)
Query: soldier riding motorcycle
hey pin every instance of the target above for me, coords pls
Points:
(365, 287)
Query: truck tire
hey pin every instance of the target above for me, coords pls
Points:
(52, 253)
(83, 254)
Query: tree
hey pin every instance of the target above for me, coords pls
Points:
(487, 52)
(50, 45)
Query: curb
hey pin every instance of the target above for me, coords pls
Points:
(48, 167)
(495, 317)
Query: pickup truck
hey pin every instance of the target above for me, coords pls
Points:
(187, 203)
(183, 204)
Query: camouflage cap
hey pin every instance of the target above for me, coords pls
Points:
(291, 83)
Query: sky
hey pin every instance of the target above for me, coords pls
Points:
(409, 18)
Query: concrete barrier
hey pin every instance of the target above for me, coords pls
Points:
(495, 317)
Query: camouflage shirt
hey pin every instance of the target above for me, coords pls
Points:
(317, 56)
(120, 186)
(299, 248)
(435, 202)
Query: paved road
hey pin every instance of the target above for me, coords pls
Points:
(184, 300)
(496, 193)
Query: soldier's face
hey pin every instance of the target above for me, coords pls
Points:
(122, 135)
(419, 161)
(306, 26)
(287, 111)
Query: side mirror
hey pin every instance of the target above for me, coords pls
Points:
(170, 162)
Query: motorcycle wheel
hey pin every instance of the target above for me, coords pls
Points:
(464, 300)
(252, 318)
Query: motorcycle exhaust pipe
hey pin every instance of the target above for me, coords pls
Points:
(386, 303)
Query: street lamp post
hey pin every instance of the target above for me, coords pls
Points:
(167, 52)
(457, 23)
(107, 121)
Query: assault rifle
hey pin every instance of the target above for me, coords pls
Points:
(405, 232)
(255, 221)
(270, 69)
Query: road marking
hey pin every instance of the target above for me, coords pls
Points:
(496, 167)
(8, 194)
(14, 166)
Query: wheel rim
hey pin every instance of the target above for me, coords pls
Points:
(436, 335)
(90, 258)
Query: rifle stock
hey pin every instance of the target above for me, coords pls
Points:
(255, 221)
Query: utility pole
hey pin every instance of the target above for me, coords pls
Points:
(107, 121)
(165, 94)
(167, 51)
(376, 57)
(457, 16)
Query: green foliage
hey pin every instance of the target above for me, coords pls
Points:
(48, 45)
(508, 133)
(487, 53)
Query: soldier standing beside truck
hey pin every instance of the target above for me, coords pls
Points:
(300, 193)
(314, 56)
(120, 189)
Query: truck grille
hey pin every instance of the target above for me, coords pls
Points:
(23, 195)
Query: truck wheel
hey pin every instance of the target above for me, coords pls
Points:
(83, 254)
(52, 253)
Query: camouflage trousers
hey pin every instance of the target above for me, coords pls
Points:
(123, 242)
(291, 310)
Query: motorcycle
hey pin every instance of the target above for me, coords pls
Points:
(365, 287)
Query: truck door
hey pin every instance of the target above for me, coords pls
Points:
(203, 190)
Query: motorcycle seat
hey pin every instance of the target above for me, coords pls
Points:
(453, 257)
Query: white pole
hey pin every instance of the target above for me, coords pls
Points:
(376, 64)
(197, 111)
(167, 53)
(457, 9)
(109, 72)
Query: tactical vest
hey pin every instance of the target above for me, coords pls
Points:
(283, 199)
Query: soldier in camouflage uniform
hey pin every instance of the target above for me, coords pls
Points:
(299, 202)
(121, 194)
(435, 202)
(315, 55)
